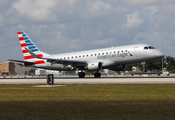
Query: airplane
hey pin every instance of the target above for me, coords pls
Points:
(112, 58)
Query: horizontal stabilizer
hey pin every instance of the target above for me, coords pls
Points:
(21, 61)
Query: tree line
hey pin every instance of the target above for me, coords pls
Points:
(168, 64)
(154, 66)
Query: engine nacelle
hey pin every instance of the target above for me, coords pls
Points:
(94, 66)
(119, 68)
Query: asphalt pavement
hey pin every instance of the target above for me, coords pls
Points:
(105, 80)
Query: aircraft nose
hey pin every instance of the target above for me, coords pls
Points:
(159, 54)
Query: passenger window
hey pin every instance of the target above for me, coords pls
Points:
(86, 55)
(80, 56)
(114, 52)
(75, 56)
(91, 54)
(102, 53)
(72, 57)
(106, 52)
(83, 55)
(125, 50)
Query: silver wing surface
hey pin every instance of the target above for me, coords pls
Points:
(73, 63)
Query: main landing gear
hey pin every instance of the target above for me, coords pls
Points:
(97, 75)
(82, 75)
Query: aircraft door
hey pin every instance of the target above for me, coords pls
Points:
(136, 51)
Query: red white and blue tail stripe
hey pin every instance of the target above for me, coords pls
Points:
(26, 42)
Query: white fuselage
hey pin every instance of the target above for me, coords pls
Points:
(109, 57)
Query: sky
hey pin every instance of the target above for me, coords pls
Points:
(60, 26)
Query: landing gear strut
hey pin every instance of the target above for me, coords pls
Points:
(81, 74)
(97, 75)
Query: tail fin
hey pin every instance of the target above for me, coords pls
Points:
(26, 42)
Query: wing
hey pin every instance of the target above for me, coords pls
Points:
(74, 63)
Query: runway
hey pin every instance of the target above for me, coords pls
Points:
(116, 80)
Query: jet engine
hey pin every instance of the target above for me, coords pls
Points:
(94, 66)
(118, 68)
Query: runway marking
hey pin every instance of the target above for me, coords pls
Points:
(49, 86)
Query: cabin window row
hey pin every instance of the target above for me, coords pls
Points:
(80, 56)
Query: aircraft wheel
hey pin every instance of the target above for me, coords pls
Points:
(97, 75)
(81, 74)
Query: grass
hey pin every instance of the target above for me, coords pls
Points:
(79, 102)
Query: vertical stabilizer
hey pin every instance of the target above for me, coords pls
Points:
(26, 42)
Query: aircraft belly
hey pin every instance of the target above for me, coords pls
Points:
(58, 67)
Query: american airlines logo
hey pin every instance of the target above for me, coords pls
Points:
(123, 54)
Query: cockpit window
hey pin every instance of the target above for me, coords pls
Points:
(151, 47)
(145, 48)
